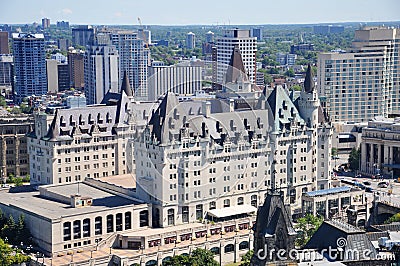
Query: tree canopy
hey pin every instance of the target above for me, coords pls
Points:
(199, 257)
(354, 159)
(307, 226)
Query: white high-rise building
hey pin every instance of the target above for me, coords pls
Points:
(248, 49)
(190, 40)
(100, 71)
(182, 80)
(133, 59)
(210, 37)
(364, 82)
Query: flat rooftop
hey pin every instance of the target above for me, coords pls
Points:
(125, 181)
(48, 208)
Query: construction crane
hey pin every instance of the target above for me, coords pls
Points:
(146, 45)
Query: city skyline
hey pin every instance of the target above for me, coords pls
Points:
(222, 13)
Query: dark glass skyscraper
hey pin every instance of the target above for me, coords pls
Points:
(29, 64)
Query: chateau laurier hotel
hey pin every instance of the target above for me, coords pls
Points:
(188, 162)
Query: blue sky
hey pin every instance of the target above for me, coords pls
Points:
(184, 12)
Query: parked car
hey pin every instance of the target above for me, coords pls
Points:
(367, 183)
(383, 184)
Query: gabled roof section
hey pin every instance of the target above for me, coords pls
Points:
(165, 109)
(126, 87)
(283, 109)
(53, 132)
(236, 71)
(309, 84)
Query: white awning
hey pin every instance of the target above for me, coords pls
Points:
(230, 211)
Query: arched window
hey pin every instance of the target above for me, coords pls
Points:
(86, 228)
(240, 201)
(144, 218)
(77, 229)
(229, 248)
(227, 203)
(81, 121)
(62, 122)
(151, 263)
(118, 221)
(128, 220)
(67, 231)
(254, 201)
(110, 223)
(99, 120)
(171, 217)
(108, 118)
(213, 205)
(71, 121)
(98, 225)
(215, 250)
(243, 245)
(90, 119)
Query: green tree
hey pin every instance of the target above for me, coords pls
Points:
(354, 159)
(199, 257)
(307, 226)
(246, 258)
(393, 219)
(334, 152)
(3, 102)
(290, 73)
(18, 181)
(296, 87)
(9, 256)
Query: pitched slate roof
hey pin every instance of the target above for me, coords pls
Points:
(283, 109)
(236, 71)
(309, 84)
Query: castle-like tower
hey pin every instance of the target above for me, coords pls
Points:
(311, 110)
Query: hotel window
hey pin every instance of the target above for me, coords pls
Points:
(67, 231)
(98, 226)
(227, 203)
(86, 227)
(110, 223)
(77, 229)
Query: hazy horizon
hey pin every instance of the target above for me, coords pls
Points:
(206, 12)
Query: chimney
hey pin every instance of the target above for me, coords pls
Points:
(231, 105)
(206, 108)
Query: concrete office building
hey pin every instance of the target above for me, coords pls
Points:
(4, 48)
(181, 80)
(45, 23)
(77, 216)
(133, 59)
(63, 24)
(364, 82)
(76, 69)
(14, 153)
(63, 44)
(57, 76)
(257, 32)
(247, 146)
(29, 65)
(210, 37)
(380, 148)
(100, 72)
(286, 59)
(52, 75)
(225, 45)
(190, 40)
(301, 47)
(82, 34)
(6, 70)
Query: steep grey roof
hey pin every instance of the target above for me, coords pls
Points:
(171, 117)
(309, 84)
(101, 119)
(236, 71)
(126, 87)
(270, 214)
(283, 109)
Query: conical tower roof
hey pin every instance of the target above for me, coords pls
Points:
(309, 84)
(126, 87)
